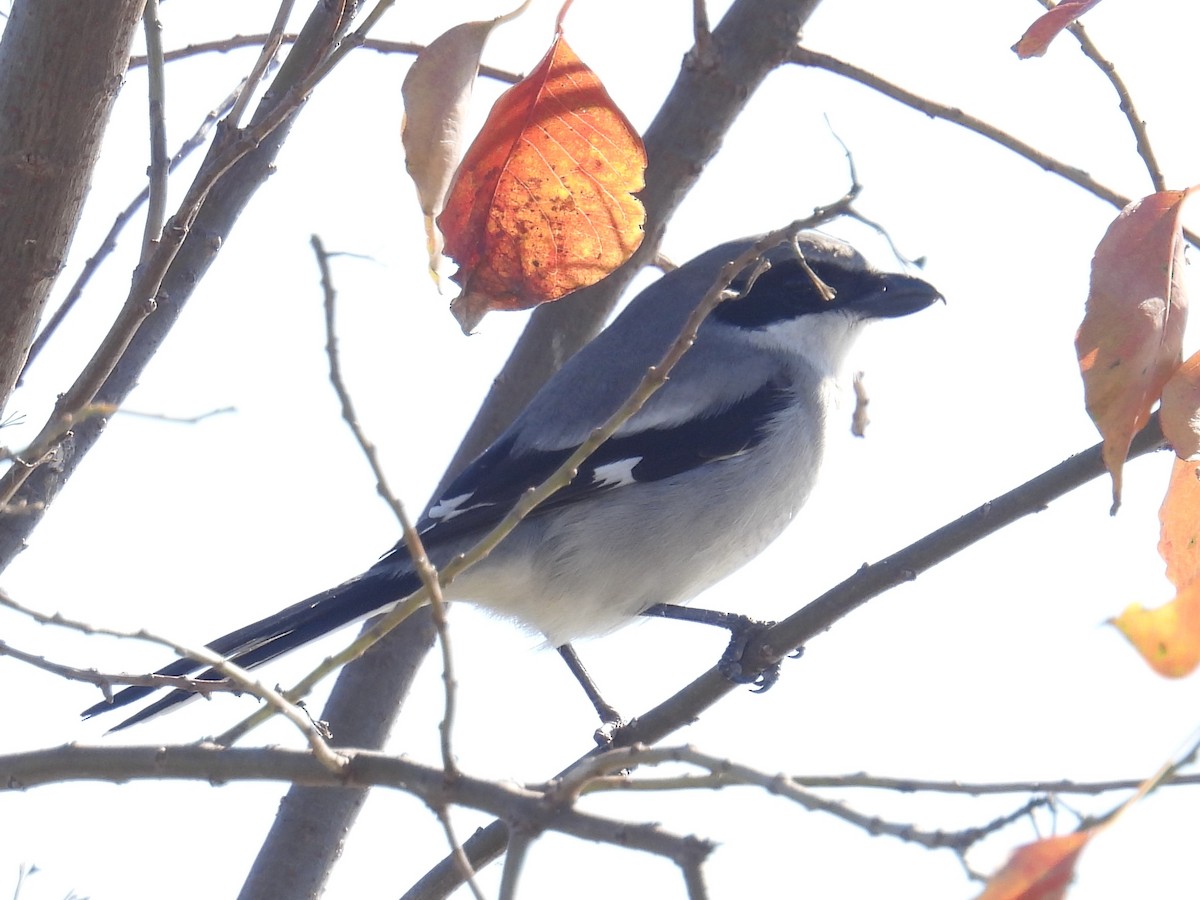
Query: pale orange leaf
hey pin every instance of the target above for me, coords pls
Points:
(1179, 517)
(1180, 410)
(437, 98)
(1131, 338)
(1168, 637)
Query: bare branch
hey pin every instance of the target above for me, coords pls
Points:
(208, 763)
(725, 772)
(806, 57)
(50, 134)
(976, 788)
(425, 569)
(106, 680)
(110, 240)
(1140, 135)
(182, 420)
(456, 850)
(241, 41)
(520, 839)
(157, 187)
(270, 47)
(241, 679)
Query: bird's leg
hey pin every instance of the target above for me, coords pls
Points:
(610, 719)
(743, 632)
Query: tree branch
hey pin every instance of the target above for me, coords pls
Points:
(204, 762)
(222, 204)
(61, 65)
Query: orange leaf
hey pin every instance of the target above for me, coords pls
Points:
(1168, 638)
(1131, 338)
(1180, 411)
(1047, 27)
(542, 203)
(1038, 871)
(1179, 540)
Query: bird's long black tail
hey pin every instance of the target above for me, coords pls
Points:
(275, 635)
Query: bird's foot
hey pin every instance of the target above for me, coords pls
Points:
(745, 644)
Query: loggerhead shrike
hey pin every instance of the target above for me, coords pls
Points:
(690, 488)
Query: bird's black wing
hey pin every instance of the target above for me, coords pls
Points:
(491, 486)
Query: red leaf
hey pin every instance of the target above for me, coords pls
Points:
(542, 203)
(1047, 27)
(1038, 871)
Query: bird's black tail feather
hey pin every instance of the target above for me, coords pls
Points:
(275, 635)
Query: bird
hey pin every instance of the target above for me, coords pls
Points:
(691, 487)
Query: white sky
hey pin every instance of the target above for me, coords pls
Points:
(995, 666)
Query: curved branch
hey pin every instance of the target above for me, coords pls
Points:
(204, 762)
(1140, 135)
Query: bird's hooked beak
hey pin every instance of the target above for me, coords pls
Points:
(893, 295)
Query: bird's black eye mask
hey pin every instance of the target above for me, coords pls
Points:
(786, 291)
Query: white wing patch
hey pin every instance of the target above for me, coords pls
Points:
(452, 507)
(615, 474)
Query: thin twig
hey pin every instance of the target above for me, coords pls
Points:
(1140, 135)
(456, 850)
(593, 775)
(520, 839)
(109, 243)
(349, 413)
(703, 53)
(157, 183)
(1165, 774)
(242, 41)
(235, 673)
(183, 420)
(425, 569)
(860, 780)
(354, 40)
(31, 456)
(806, 57)
(106, 680)
(270, 47)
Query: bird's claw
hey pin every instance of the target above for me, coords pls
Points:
(606, 735)
(731, 663)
